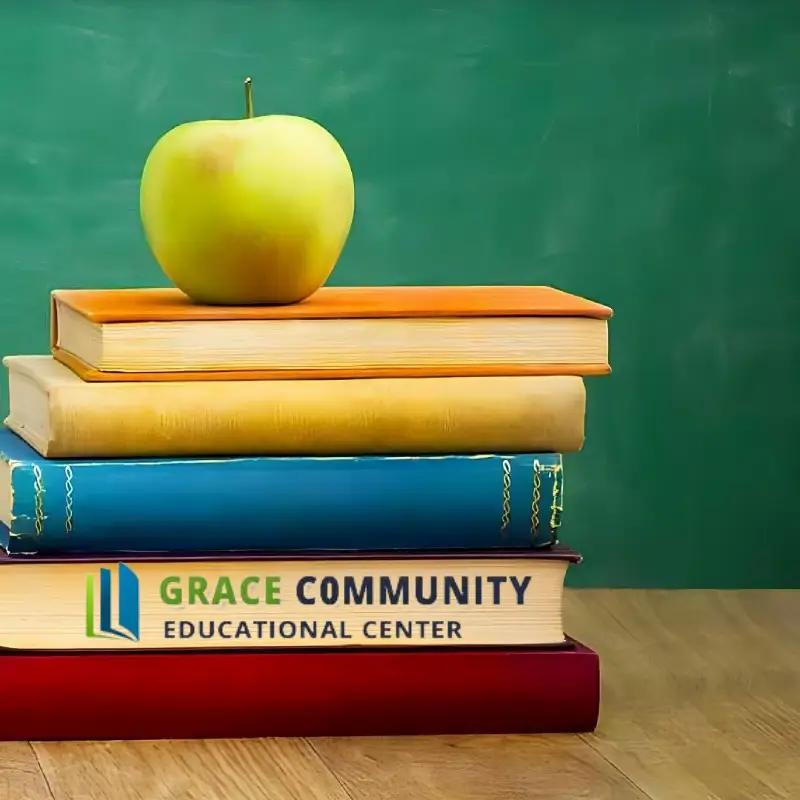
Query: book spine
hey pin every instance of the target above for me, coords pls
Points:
(324, 693)
(296, 603)
(316, 418)
(286, 504)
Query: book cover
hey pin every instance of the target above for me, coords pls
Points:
(102, 696)
(285, 504)
(410, 599)
(62, 416)
(356, 302)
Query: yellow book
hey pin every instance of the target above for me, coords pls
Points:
(62, 416)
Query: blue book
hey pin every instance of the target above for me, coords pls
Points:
(50, 506)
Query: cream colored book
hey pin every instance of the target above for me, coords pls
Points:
(405, 601)
(62, 416)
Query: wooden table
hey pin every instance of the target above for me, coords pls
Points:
(701, 701)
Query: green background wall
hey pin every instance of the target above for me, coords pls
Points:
(644, 154)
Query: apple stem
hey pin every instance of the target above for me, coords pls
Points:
(248, 98)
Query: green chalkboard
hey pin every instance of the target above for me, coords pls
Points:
(646, 155)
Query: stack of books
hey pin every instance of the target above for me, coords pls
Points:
(339, 517)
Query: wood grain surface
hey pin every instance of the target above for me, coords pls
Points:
(701, 699)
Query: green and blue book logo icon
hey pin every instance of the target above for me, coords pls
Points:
(100, 605)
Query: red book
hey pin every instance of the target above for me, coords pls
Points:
(237, 694)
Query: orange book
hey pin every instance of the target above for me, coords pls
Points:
(447, 331)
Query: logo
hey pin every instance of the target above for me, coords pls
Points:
(99, 617)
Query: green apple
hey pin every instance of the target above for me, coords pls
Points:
(251, 211)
